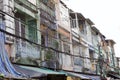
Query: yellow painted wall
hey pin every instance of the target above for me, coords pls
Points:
(72, 78)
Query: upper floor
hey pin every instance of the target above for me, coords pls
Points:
(78, 23)
(62, 16)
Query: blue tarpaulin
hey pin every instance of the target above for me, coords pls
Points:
(6, 67)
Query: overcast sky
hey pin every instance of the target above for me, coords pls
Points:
(104, 13)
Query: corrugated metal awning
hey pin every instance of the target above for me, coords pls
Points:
(42, 70)
(29, 72)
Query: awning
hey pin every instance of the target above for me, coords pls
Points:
(44, 71)
(115, 76)
(30, 73)
(83, 76)
(78, 75)
(93, 77)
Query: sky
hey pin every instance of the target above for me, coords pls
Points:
(104, 13)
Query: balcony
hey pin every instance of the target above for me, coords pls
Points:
(27, 4)
(53, 43)
(47, 9)
(78, 61)
(48, 20)
(82, 35)
(78, 64)
(27, 53)
(50, 59)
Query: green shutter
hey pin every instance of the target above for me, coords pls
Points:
(32, 30)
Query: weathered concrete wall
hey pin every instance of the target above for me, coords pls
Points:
(1, 4)
(8, 7)
(62, 14)
(89, 34)
(63, 22)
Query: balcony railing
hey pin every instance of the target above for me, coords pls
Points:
(27, 53)
(27, 4)
(78, 61)
(48, 20)
(50, 58)
(53, 43)
(49, 3)
(47, 9)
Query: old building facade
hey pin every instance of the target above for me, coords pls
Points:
(64, 35)
(55, 42)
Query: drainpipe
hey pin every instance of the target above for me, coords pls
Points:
(113, 60)
(99, 60)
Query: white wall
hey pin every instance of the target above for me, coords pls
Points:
(9, 21)
(63, 21)
(64, 17)
(8, 7)
(87, 63)
(89, 34)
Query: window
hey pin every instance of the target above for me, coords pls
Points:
(73, 23)
(78, 61)
(32, 30)
(19, 29)
(82, 26)
(23, 30)
(66, 47)
(20, 25)
(50, 41)
(45, 1)
(43, 40)
(91, 53)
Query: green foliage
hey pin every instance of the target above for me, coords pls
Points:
(2, 76)
(48, 55)
(28, 60)
(56, 44)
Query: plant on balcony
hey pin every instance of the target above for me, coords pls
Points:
(56, 44)
(48, 55)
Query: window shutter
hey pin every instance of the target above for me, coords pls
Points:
(17, 31)
(32, 30)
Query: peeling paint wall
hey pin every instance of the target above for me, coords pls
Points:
(89, 34)
(63, 17)
(8, 7)
(1, 4)
(64, 31)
